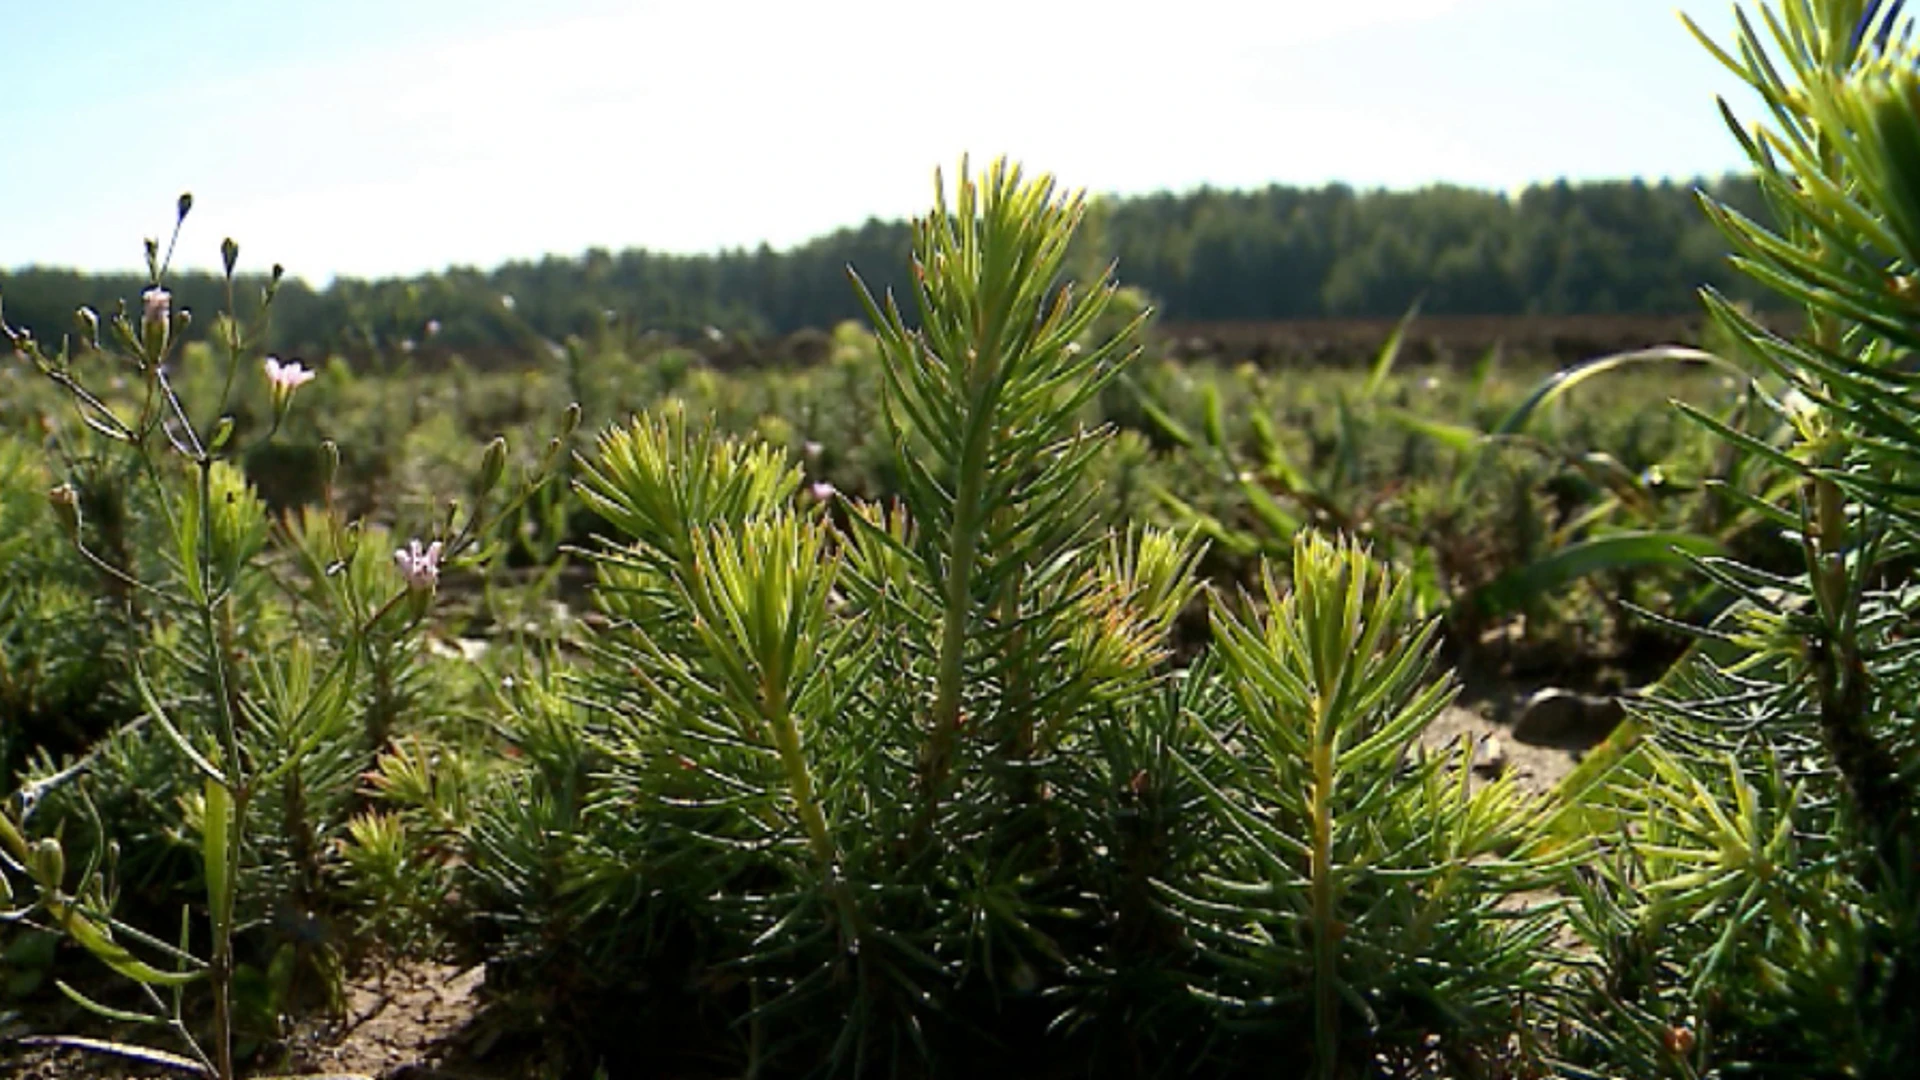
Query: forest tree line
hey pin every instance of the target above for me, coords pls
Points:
(1206, 255)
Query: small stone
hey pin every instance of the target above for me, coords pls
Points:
(1556, 717)
(1490, 757)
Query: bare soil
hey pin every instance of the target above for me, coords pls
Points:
(1535, 769)
(404, 1024)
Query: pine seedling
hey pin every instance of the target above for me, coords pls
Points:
(1765, 906)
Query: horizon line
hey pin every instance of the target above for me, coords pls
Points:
(327, 281)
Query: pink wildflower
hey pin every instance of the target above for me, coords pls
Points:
(156, 306)
(285, 378)
(421, 567)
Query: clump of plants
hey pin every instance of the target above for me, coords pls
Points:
(261, 665)
(923, 787)
(1760, 907)
(954, 766)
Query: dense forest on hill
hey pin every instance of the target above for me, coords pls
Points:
(1276, 253)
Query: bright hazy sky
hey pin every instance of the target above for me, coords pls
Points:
(372, 137)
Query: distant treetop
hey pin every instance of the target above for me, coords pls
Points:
(1206, 255)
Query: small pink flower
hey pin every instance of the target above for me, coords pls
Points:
(285, 378)
(421, 567)
(822, 491)
(156, 305)
(812, 449)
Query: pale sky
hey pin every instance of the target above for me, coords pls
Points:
(369, 138)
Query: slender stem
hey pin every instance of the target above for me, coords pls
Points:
(786, 740)
(222, 967)
(1869, 769)
(176, 1024)
(233, 344)
(210, 628)
(85, 398)
(950, 671)
(222, 918)
(117, 575)
(193, 446)
(1020, 730)
(1326, 1002)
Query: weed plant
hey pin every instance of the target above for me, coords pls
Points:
(264, 664)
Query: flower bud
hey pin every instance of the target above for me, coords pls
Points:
(184, 205)
(66, 509)
(222, 433)
(272, 286)
(156, 315)
(229, 254)
(49, 864)
(493, 463)
(123, 330)
(86, 322)
(156, 305)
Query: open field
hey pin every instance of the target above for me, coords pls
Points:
(1005, 687)
(1243, 451)
(1443, 339)
(1448, 340)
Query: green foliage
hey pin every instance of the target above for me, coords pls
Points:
(1206, 255)
(1348, 893)
(981, 404)
(893, 734)
(1550, 500)
(260, 678)
(56, 635)
(1760, 908)
(900, 789)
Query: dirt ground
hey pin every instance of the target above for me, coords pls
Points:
(402, 1029)
(402, 1026)
(1535, 768)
